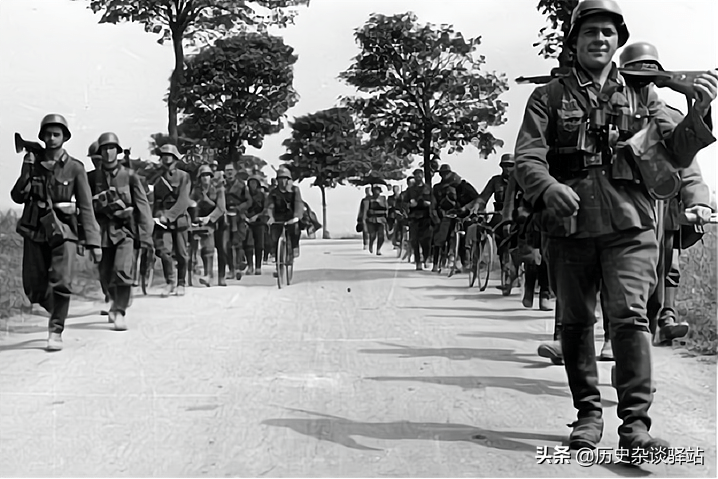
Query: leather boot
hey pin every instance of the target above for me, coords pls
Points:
(208, 263)
(544, 302)
(632, 350)
(552, 351)
(237, 263)
(579, 355)
(668, 328)
(529, 286)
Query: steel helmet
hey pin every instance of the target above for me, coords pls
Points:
(256, 178)
(94, 149)
(586, 8)
(109, 138)
(204, 170)
(640, 52)
(507, 159)
(170, 150)
(57, 120)
(283, 172)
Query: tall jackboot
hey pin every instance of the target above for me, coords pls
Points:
(208, 263)
(237, 255)
(530, 274)
(436, 267)
(250, 260)
(579, 356)
(632, 352)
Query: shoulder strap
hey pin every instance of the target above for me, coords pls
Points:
(555, 97)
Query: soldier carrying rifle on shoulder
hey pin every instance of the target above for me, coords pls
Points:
(53, 187)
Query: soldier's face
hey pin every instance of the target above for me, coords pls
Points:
(206, 179)
(53, 137)
(168, 160)
(506, 170)
(597, 42)
(230, 172)
(396, 190)
(109, 155)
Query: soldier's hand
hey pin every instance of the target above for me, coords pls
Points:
(706, 87)
(562, 199)
(163, 219)
(412, 203)
(96, 255)
(29, 158)
(698, 214)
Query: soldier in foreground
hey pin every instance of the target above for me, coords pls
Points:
(171, 200)
(126, 224)
(49, 223)
(597, 216)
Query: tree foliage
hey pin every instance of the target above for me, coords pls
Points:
(551, 37)
(320, 146)
(423, 88)
(194, 22)
(237, 91)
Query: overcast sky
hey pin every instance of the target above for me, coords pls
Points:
(55, 57)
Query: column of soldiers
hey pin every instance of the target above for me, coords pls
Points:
(120, 216)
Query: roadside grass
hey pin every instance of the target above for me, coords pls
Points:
(12, 297)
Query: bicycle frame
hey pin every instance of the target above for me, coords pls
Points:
(285, 255)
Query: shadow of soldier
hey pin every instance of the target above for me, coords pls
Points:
(343, 431)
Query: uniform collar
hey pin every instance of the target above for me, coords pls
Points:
(584, 79)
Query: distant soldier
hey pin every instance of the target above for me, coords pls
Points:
(374, 219)
(257, 221)
(49, 224)
(238, 200)
(419, 205)
(363, 205)
(211, 207)
(126, 224)
(171, 200)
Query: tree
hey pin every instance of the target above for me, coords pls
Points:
(238, 90)
(425, 89)
(552, 36)
(193, 22)
(319, 147)
(373, 164)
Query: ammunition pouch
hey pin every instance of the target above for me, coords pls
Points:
(108, 203)
(60, 224)
(569, 163)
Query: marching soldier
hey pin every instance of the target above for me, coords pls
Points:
(126, 224)
(374, 219)
(49, 223)
(596, 213)
(257, 221)
(419, 203)
(363, 205)
(171, 200)
(238, 201)
(211, 208)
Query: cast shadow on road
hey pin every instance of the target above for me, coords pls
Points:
(342, 431)
(511, 335)
(355, 275)
(457, 354)
(25, 345)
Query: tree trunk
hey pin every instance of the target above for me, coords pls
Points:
(426, 145)
(175, 81)
(233, 152)
(325, 233)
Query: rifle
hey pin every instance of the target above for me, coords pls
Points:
(680, 81)
(28, 146)
(557, 72)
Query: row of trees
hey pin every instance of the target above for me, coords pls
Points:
(421, 88)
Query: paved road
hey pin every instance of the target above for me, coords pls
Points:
(362, 368)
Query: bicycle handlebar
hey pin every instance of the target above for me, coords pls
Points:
(692, 218)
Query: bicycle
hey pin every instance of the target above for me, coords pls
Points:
(453, 245)
(285, 256)
(481, 251)
(510, 270)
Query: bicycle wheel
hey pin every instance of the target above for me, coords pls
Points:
(473, 253)
(289, 265)
(281, 260)
(485, 262)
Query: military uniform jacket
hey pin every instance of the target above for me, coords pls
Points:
(258, 206)
(130, 189)
(66, 179)
(607, 205)
(496, 187)
(171, 192)
(238, 198)
(377, 210)
(210, 201)
(422, 195)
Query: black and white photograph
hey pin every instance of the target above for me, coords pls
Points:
(358, 238)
